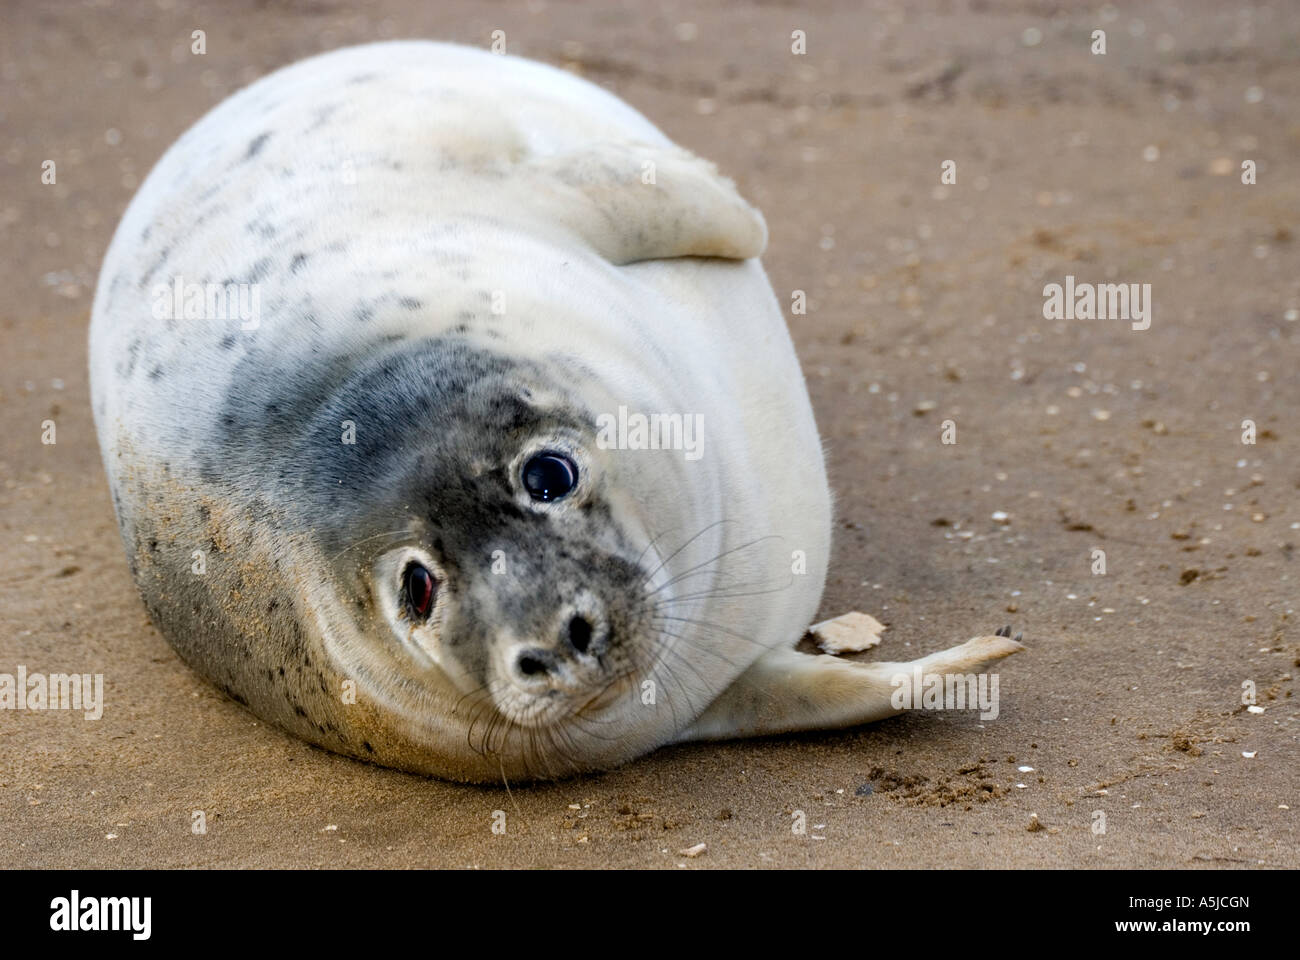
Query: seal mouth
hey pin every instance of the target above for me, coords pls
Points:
(606, 698)
(554, 707)
(523, 710)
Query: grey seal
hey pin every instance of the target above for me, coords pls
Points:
(452, 424)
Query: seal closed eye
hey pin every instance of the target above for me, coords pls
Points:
(366, 475)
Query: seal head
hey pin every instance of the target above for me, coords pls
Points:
(485, 542)
(467, 555)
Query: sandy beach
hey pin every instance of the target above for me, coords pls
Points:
(1123, 739)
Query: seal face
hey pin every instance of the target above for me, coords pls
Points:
(357, 350)
(550, 621)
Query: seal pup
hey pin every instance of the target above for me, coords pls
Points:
(393, 358)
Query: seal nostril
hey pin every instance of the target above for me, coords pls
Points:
(580, 634)
(531, 666)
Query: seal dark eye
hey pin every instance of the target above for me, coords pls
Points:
(549, 476)
(420, 588)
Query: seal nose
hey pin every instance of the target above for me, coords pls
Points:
(535, 663)
(579, 639)
(580, 633)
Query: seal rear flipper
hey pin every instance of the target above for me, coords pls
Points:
(638, 201)
(785, 690)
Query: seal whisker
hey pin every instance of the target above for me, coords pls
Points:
(705, 623)
(567, 749)
(666, 560)
(650, 543)
(551, 751)
(725, 553)
(463, 697)
(485, 708)
(706, 650)
(718, 595)
(509, 794)
(662, 639)
(500, 727)
(389, 533)
(664, 631)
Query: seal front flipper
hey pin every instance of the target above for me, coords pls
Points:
(785, 690)
(637, 201)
